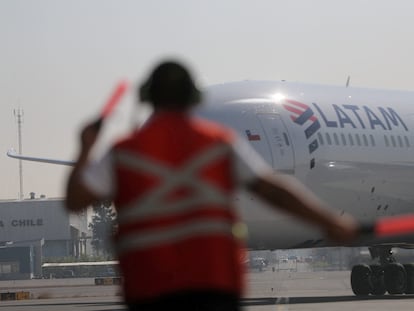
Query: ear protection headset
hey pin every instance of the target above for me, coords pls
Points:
(146, 90)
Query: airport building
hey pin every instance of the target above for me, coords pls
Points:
(33, 230)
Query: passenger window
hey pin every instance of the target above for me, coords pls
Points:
(387, 144)
(343, 139)
(393, 141)
(358, 139)
(320, 137)
(351, 140)
(328, 139)
(364, 138)
(407, 142)
(372, 140)
(336, 139)
(400, 142)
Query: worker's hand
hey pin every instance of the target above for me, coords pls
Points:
(343, 229)
(89, 136)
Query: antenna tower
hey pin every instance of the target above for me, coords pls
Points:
(18, 113)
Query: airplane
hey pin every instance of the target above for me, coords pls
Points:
(352, 147)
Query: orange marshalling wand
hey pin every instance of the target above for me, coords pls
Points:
(112, 101)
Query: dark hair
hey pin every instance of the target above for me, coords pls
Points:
(170, 85)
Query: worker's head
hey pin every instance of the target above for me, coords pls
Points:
(170, 86)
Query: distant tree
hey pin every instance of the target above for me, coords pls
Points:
(103, 226)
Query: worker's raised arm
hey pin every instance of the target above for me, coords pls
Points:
(78, 196)
(288, 194)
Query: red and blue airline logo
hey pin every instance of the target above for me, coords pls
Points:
(342, 116)
(304, 116)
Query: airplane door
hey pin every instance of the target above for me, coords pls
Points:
(279, 141)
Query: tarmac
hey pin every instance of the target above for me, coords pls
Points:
(290, 289)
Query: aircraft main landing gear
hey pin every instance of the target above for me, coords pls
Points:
(387, 276)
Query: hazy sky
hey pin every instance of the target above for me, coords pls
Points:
(60, 59)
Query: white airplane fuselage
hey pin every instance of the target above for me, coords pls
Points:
(353, 147)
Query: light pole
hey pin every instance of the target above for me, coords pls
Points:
(18, 113)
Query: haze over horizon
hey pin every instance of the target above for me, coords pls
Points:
(61, 59)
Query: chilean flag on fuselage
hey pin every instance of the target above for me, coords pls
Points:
(251, 136)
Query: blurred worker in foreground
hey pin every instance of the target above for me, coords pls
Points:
(172, 182)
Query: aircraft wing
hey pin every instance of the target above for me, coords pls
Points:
(12, 154)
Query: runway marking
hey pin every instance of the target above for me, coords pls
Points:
(282, 304)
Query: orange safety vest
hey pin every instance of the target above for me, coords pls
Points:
(175, 182)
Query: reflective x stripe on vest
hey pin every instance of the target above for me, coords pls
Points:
(153, 204)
